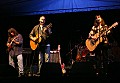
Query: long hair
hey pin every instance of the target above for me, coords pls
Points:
(96, 23)
(12, 30)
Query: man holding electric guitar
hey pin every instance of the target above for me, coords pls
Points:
(40, 42)
(15, 46)
(97, 42)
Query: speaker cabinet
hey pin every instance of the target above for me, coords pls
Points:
(55, 56)
(114, 69)
(51, 69)
(82, 69)
(8, 71)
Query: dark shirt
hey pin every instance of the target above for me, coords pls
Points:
(101, 31)
(16, 48)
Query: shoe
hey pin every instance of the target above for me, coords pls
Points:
(29, 74)
(21, 75)
(36, 75)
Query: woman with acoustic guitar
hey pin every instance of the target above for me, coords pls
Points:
(40, 42)
(97, 41)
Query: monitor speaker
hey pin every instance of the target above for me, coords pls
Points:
(51, 69)
(8, 71)
(82, 69)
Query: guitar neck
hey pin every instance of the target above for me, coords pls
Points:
(13, 39)
(109, 28)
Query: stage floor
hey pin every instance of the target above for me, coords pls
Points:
(78, 71)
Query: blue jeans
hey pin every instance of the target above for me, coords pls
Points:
(45, 56)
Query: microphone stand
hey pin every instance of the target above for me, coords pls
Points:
(70, 52)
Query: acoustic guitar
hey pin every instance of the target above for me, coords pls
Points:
(34, 44)
(93, 43)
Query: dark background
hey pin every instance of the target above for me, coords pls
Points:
(69, 29)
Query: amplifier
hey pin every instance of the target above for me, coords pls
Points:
(26, 51)
(55, 57)
(26, 56)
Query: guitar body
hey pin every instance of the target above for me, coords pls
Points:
(9, 48)
(92, 44)
(78, 57)
(34, 44)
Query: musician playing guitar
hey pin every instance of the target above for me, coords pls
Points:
(40, 41)
(97, 41)
(15, 46)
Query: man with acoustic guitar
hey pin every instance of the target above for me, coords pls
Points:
(97, 41)
(15, 46)
(40, 42)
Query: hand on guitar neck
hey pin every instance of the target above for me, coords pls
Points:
(9, 45)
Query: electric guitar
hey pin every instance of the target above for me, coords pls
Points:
(92, 43)
(34, 44)
(10, 47)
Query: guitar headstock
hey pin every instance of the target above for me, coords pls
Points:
(48, 26)
(115, 24)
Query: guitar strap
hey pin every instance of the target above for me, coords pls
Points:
(38, 30)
